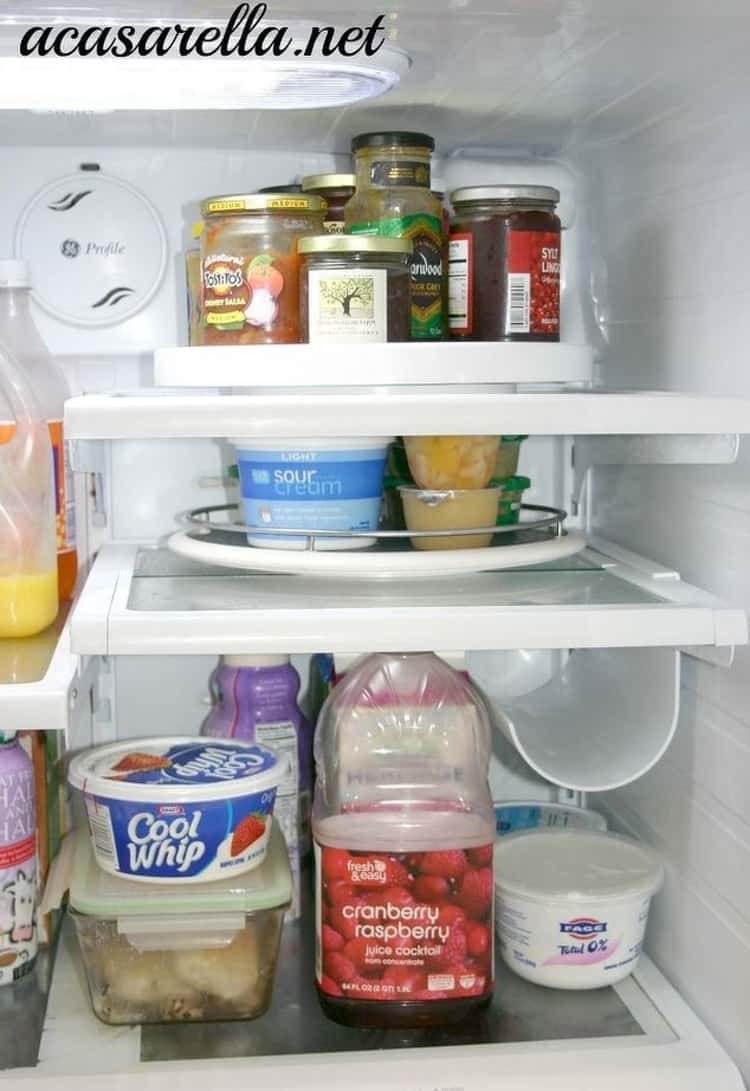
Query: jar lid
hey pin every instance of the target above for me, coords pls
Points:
(391, 139)
(14, 273)
(292, 187)
(262, 202)
(547, 194)
(354, 244)
(256, 662)
(329, 181)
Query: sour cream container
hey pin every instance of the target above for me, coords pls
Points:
(179, 810)
(311, 484)
(572, 905)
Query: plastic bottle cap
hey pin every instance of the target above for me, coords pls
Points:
(14, 273)
(256, 660)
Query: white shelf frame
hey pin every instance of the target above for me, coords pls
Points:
(103, 624)
(396, 363)
(400, 411)
(78, 1052)
(46, 704)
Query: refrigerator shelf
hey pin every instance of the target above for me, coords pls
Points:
(639, 1033)
(39, 680)
(382, 411)
(150, 602)
(408, 363)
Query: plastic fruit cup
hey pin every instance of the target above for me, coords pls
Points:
(452, 462)
(451, 509)
(511, 499)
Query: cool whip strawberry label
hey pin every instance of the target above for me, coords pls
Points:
(409, 926)
(167, 835)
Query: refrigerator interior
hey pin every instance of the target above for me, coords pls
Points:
(641, 117)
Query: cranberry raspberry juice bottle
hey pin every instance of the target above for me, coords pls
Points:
(403, 829)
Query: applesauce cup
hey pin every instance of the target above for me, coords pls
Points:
(450, 509)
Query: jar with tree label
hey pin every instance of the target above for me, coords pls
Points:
(504, 264)
(354, 288)
(393, 197)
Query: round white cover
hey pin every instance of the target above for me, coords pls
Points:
(96, 247)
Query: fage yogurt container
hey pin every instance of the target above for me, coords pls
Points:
(572, 905)
(179, 810)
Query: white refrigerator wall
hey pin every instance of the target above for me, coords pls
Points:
(676, 239)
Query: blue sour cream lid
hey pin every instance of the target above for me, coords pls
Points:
(177, 769)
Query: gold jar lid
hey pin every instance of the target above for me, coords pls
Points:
(329, 181)
(354, 244)
(262, 202)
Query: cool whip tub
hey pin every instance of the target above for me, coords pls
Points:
(315, 484)
(572, 905)
(180, 810)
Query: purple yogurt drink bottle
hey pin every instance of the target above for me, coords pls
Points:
(258, 703)
(18, 861)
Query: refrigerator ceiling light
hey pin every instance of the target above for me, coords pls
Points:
(93, 84)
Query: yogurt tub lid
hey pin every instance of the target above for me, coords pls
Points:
(284, 443)
(570, 864)
(184, 769)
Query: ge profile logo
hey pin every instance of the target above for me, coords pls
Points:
(70, 248)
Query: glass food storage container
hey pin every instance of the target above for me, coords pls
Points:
(504, 264)
(336, 190)
(154, 954)
(250, 266)
(354, 288)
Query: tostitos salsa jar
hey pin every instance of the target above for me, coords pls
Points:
(250, 266)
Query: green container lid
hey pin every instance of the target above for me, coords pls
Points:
(512, 439)
(99, 894)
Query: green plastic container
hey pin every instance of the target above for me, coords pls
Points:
(507, 456)
(511, 499)
(156, 953)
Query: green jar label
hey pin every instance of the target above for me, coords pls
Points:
(426, 267)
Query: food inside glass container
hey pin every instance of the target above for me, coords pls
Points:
(129, 986)
(452, 462)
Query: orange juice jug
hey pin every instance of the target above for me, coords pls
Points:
(28, 562)
(19, 334)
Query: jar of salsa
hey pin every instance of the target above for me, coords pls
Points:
(504, 264)
(336, 190)
(355, 288)
(250, 266)
(393, 197)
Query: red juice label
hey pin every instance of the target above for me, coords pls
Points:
(533, 283)
(406, 926)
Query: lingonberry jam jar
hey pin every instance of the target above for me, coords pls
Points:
(504, 264)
